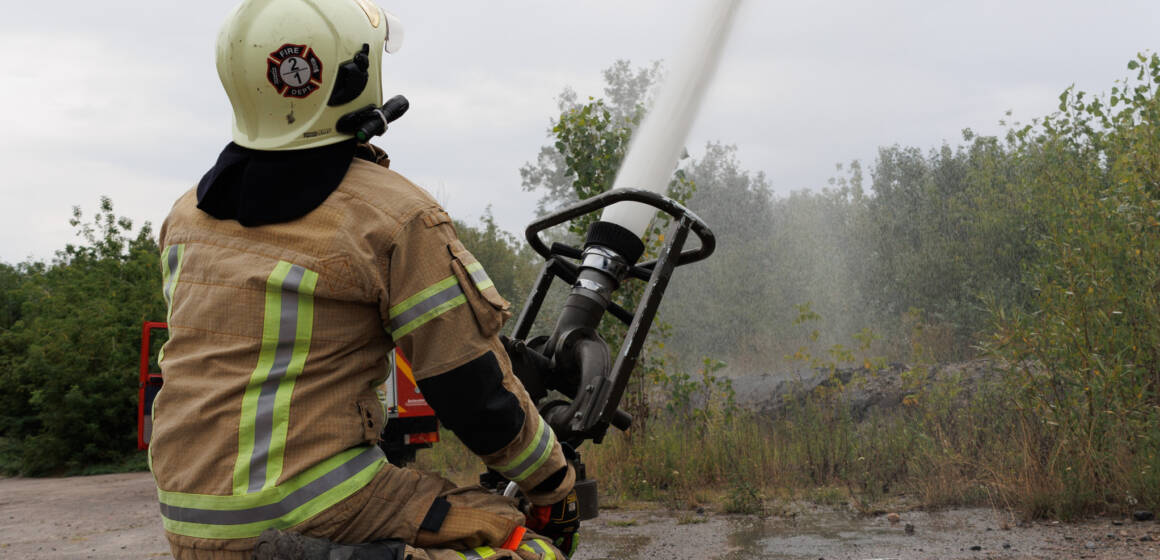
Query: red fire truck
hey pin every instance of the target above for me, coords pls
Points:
(411, 424)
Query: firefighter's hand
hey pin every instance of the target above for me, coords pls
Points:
(559, 522)
(529, 366)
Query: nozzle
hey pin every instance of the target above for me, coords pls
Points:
(581, 358)
(609, 252)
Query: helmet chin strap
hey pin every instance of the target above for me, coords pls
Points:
(371, 121)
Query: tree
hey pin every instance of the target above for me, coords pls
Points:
(723, 303)
(11, 278)
(589, 142)
(1085, 353)
(70, 359)
(510, 263)
(565, 170)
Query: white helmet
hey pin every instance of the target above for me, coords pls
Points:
(292, 68)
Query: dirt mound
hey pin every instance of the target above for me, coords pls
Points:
(862, 389)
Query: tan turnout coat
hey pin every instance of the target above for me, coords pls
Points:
(278, 336)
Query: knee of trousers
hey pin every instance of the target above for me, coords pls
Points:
(428, 511)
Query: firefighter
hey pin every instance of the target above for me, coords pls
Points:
(292, 269)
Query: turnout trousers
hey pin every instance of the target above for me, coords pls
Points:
(393, 506)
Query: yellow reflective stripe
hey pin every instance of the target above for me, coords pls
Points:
(149, 450)
(171, 260)
(433, 313)
(287, 326)
(304, 331)
(434, 301)
(478, 553)
(533, 455)
(294, 501)
(536, 546)
(419, 297)
(481, 279)
(271, 319)
(420, 308)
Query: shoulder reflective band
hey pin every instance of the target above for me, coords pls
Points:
(171, 259)
(477, 553)
(286, 330)
(294, 501)
(537, 451)
(435, 300)
(535, 546)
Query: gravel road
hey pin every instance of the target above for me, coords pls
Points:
(115, 517)
(107, 516)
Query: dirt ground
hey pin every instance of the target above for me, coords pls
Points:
(108, 516)
(827, 534)
(115, 516)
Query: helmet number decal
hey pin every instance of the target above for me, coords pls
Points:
(294, 70)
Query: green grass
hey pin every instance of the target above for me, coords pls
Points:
(690, 519)
(943, 447)
(451, 459)
(827, 496)
(625, 523)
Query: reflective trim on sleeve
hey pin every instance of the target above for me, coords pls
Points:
(433, 301)
(294, 501)
(534, 455)
(535, 546)
(171, 259)
(286, 331)
(428, 304)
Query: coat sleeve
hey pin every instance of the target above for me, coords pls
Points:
(444, 314)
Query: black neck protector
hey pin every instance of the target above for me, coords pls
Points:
(258, 187)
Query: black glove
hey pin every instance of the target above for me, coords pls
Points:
(559, 522)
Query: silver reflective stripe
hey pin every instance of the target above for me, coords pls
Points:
(278, 509)
(425, 306)
(524, 468)
(287, 332)
(479, 277)
(172, 258)
(539, 548)
(478, 553)
(170, 270)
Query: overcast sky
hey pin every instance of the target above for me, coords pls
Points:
(122, 99)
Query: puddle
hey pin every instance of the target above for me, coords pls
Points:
(965, 534)
(841, 535)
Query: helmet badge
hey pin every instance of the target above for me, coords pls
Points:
(294, 70)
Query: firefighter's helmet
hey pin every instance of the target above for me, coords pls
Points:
(292, 68)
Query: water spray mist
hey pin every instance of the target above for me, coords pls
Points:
(614, 243)
(575, 360)
(657, 144)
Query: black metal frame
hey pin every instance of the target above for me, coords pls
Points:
(598, 401)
